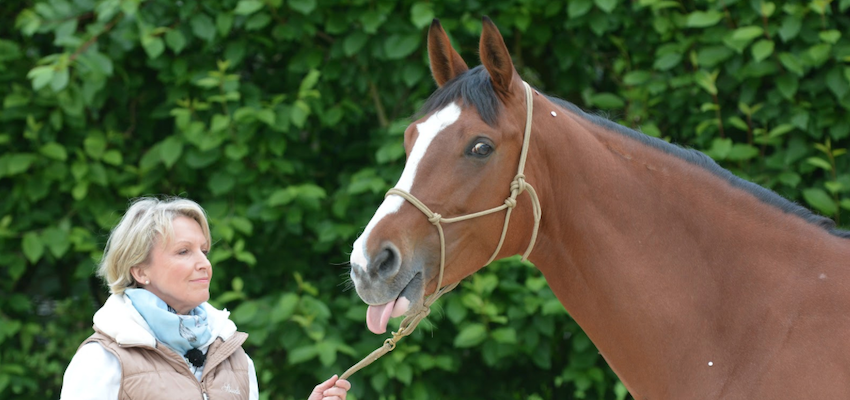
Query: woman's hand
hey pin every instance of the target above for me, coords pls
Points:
(331, 389)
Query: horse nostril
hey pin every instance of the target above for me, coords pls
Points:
(387, 262)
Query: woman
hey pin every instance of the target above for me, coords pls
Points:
(157, 337)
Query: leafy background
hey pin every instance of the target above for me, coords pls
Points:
(284, 120)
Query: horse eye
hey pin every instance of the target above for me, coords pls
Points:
(482, 149)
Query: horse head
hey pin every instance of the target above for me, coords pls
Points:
(462, 159)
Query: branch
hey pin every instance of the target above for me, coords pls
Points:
(94, 38)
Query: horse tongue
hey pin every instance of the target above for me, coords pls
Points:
(378, 316)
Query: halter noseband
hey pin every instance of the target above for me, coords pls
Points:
(518, 185)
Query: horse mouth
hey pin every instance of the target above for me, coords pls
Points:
(377, 316)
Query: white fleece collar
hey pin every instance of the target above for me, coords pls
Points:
(119, 320)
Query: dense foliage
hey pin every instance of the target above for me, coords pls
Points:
(284, 120)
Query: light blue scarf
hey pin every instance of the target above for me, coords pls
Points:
(179, 332)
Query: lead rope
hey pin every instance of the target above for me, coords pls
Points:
(518, 185)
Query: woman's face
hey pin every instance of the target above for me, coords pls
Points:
(179, 271)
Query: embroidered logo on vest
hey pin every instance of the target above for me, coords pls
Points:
(229, 389)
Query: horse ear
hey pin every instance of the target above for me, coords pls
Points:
(495, 57)
(446, 63)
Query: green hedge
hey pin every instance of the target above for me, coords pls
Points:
(284, 120)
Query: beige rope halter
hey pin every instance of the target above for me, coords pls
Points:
(518, 185)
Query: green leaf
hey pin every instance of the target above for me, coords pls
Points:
(327, 352)
(720, 148)
(703, 19)
(203, 27)
(706, 80)
(219, 122)
(710, 56)
(247, 7)
(792, 63)
(113, 157)
(80, 191)
(153, 46)
(284, 308)
(41, 76)
(60, 79)
(818, 54)
(100, 62)
(352, 43)
(780, 130)
(223, 23)
(55, 151)
(299, 113)
(787, 85)
(221, 183)
(400, 46)
(303, 6)
(421, 14)
(830, 36)
(56, 241)
(175, 40)
(32, 246)
(471, 335)
(245, 312)
(834, 187)
(767, 9)
(504, 335)
(606, 5)
(170, 150)
(820, 163)
(667, 61)
(762, 49)
(266, 116)
(15, 163)
(95, 145)
(790, 28)
(607, 101)
(836, 83)
(845, 204)
(789, 178)
(747, 33)
(820, 200)
(741, 152)
(636, 78)
(578, 8)
(258, 21)
(309, 82)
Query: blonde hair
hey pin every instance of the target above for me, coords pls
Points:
(132, 240)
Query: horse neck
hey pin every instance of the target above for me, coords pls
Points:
(661, 262)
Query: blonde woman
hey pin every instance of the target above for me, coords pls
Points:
(157, 337)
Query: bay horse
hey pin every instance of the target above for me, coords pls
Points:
(691, 282)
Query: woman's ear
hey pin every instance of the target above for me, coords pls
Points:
(139, 274)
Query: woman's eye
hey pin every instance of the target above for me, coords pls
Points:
(482, 149)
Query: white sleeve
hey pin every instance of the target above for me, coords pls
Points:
(94, 373)
(254, 392)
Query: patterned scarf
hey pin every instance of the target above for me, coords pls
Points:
(179, 332)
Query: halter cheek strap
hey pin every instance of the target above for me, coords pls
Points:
(518, 186)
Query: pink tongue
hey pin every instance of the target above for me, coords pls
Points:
(378, 316)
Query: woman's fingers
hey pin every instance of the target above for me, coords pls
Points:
(318, 391)
(342, 383)
(338, 392)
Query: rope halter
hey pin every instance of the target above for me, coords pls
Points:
(518, 186)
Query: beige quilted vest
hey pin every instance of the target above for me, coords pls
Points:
(159, 373)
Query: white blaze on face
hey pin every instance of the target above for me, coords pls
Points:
(428, 130)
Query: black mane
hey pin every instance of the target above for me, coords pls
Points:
(473, 88)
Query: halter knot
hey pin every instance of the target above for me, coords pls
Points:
(435, 219)
(510, 202)
(518, 185)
